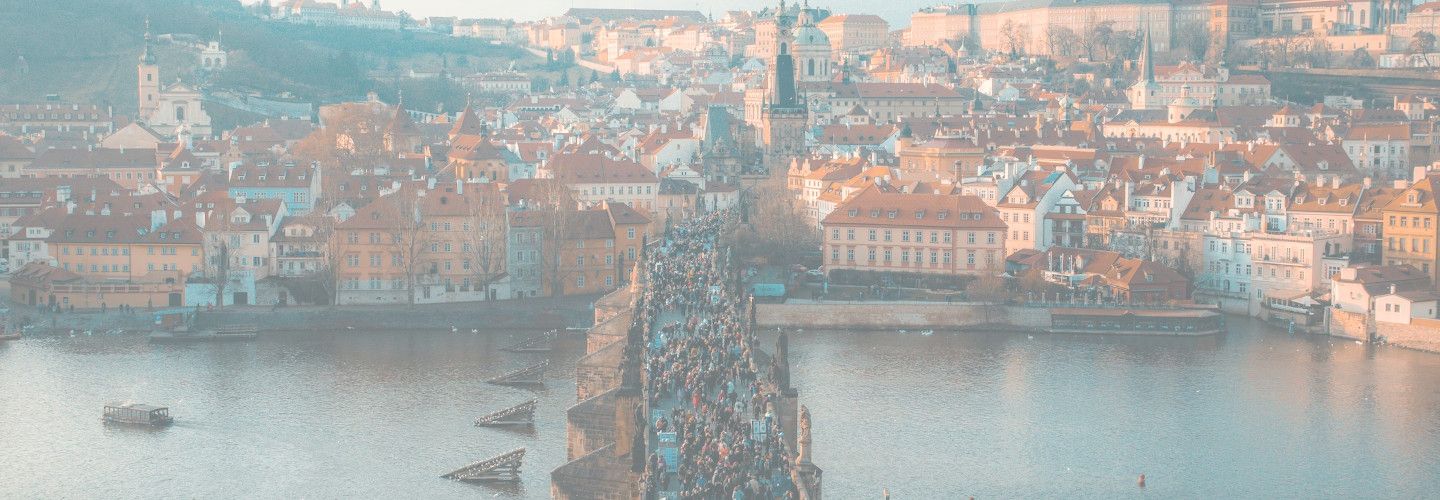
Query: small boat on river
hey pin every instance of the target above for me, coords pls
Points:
(221, 334)
(137, 414)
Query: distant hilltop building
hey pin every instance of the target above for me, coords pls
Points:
(1043, 27)
(352, 13)
(608, 15)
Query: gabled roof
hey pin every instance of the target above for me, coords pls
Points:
(874, 206)
(572, 168)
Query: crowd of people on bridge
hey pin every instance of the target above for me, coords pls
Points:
(700, 373)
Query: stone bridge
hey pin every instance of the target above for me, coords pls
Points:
(606, 443)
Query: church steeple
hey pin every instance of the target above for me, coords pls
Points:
(147, 96)
(1147, 65)
(147, 56)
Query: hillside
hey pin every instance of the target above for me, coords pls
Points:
(85, 50)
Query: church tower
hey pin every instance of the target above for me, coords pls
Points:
(149, 80)
(784, 116)
(1144, 94)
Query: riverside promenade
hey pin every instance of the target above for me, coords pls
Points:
(676, 400)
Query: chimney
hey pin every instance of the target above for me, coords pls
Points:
(1366, 183)
(1392, 289)
(1348, 273)
(1335, 182)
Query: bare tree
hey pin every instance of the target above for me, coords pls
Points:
(988, 289)
(353, 134)
(558, 205)
(779, 230)
(484, 242)
(328, 273)
(1360, 59)
(1087, 42)
(408, 239)
(1012, 38)
(219, 268)
(1061, 41)
(1101, 35)
(1422, 43)
(1194, 39)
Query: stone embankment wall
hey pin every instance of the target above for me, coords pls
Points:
(510, 314)
(899, 315)
(1422, 334)
(1351, 325)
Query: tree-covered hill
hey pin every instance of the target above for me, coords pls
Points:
(86, 50)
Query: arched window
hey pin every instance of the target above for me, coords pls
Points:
(784, 48)
(179, 113)
(811, 70)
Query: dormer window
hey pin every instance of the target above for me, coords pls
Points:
(891, 214)
(854, 212)
(163, 235)
(942, 215)
(874, 212)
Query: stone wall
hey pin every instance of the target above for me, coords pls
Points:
(1351, 325)
(596, 475)
(612, 329)
(526, 314)
(613, 303)
(1422, 334)
(899, 315)
(590, 425)
(598, 371)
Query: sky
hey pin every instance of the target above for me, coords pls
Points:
(897, 12)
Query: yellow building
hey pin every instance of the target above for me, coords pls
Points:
(105, 261)
(1411, 230)
(914, 233)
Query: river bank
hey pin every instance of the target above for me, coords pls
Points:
(966, 316)
(521, 314)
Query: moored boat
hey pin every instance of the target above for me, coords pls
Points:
(213, 335)
(137, 414)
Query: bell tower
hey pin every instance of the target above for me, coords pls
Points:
(784, 116)
(149, 79)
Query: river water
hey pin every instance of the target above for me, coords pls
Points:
(1251, 414)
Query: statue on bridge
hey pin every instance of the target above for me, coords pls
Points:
(802, 454)
(780, 363)
(637, 443)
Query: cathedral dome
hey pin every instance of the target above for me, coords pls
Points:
(810, 36)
